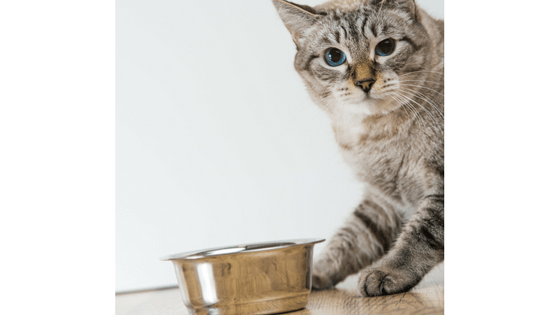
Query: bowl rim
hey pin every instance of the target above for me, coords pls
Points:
(242, 248)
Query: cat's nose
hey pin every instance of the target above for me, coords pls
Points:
(366, 84)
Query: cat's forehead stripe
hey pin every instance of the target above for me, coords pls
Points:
(308, 62)
(337, 36)
(364, 22)
(345, 32)
(411, 42)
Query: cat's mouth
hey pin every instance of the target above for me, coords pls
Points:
(374, 96)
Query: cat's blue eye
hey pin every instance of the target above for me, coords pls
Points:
(386, 47)
(335, 57)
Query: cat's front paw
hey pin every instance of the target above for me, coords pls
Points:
(321, 281)
(384, 281)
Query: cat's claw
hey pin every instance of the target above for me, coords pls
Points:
(381, 281)
(321, 282)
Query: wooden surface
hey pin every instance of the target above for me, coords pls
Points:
(425, 298)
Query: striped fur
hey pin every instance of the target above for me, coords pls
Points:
(391, 135)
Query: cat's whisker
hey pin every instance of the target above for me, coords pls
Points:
(402, 104)
(421, 120)
(422, 81)
(424, 128)
(415, 102)
(420, 71)
(329, 104)
(431, 116)
(416, 113)
(426, 98)
(424, 87)
(423, 96)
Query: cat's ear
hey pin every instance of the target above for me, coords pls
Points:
(297, 18)
(411, 7)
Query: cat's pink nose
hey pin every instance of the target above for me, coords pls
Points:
(366, 84)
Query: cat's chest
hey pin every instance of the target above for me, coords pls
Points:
(373, 151)
(349, 129)
(379, 155)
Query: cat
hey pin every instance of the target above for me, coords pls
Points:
(376, 69)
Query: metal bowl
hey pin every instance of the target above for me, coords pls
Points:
(261, 278)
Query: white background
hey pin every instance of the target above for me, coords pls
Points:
(217, 141)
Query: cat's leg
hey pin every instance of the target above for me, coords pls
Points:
(418, 249)
(365, 237)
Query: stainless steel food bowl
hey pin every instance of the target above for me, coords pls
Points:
(261, 278)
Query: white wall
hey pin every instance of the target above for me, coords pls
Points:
(217, 140)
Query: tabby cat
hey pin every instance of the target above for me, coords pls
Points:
(375, 67)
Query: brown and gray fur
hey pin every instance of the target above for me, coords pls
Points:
(391, 136)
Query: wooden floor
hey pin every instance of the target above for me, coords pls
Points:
(425, 298)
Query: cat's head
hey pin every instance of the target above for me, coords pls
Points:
(358, 55)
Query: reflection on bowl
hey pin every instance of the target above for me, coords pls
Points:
(261, 278)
